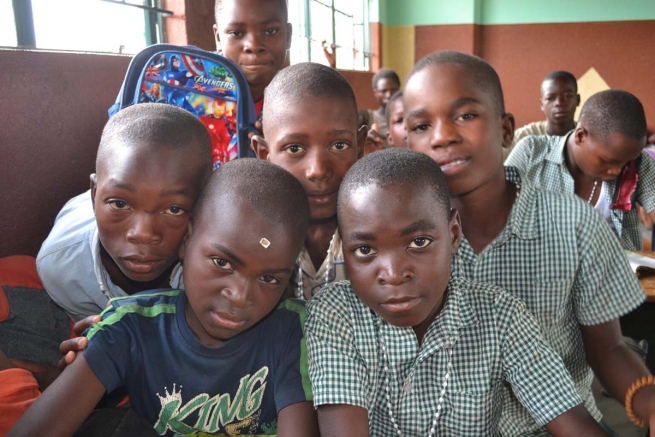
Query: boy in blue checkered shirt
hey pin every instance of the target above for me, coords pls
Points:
(550, 250)
(404, 348)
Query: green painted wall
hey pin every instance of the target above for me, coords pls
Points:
(430, 12)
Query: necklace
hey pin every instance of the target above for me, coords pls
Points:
(593, 191)
(387, 389)
(300, 292)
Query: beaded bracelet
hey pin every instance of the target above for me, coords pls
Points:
(634, 388)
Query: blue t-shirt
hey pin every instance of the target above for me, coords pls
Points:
(183, 387)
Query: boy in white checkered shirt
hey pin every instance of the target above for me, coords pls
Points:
(404, 349)
(550, 250)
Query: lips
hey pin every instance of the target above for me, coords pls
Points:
(400, 304)
(322, 197)
(142, 265)
(452, 166)
(227, 320)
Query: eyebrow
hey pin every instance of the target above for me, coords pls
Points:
(364, 236)
(302, 136)
(463, 101)
(263, 23)
(420, 225)
(172, 192)
(229, 253)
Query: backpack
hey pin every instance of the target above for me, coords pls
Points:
(206, 84)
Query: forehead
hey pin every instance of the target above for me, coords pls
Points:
(444, 85)
(308, 116)
(251, 11)
(618, 146)
(558, 85)
(386, 83)
(395, 206)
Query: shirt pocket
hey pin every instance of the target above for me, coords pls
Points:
(550, 302)
(471, 413)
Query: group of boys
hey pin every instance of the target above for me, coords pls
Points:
(392, 342)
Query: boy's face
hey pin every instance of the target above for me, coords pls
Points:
(397, 245)
(397, 134)
(255, 35)
(604, 159)
(384, 89)
(231, 280)
(143, 202)
(559, 100)
(456, 123)
(316, 141)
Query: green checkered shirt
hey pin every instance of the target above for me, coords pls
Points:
(541, 161)
(559, 257)
(494, 341)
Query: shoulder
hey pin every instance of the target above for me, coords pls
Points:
(534, 128)
(486, 298)
(337, 297)
(74, 226)
(145, 305)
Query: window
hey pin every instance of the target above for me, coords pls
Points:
(340, 22)
(114, 26)
(7, 24)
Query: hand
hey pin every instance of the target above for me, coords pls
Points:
(258, 126)
(44, 373)
(69, 348)
(374, 141)
(331, 54)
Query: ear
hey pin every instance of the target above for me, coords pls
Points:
(541, 105)
(390, 140)
(93, 178)
(185, 241)
(455, 226)
(580, 135)
(289, 35)
(217, 38)
(260, 146)
(577, 99)
(362, 132)
(508, 129)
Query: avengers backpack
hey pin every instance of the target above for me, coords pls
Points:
(206, 84)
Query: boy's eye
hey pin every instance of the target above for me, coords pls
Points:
(118, 204)
(271, 31)
(175, 210)
(222, 264)
(364, 252)
(293, 149)
(340, 146)
(467, 116)
(235, 33)
(270, 279)
(420, 128)
(420, 242)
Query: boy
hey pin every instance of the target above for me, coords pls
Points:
(397, 134)
(408, 349)
(223, 357)
(310, 129)
(552, 251)
(255, 35)
(559, 99)
(123, 235)
(602, 161)
(385, 84)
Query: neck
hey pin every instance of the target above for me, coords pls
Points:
(559, 129)
(257, 92)
(485, 211)
(318, 239)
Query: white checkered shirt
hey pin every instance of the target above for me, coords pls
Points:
(495, 343)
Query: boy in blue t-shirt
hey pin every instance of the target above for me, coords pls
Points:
(223, 357)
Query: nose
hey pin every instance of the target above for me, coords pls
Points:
(614, 171)
(253, 43)
(394, 270)
(144, 229)
(319, 167)
(444, 134)
(239, 292)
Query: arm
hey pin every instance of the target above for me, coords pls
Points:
(298, 420)
(68, 348)
(61, 409)
(343, 421)
(574, 423)
(617, 367)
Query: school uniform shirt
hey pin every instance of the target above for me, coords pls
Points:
(182, 387)
(541, 161)
(69, 263)
(556, 255)
(488, 334)
(333, 269)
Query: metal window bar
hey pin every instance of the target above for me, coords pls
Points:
(148, 7)
(25, 35)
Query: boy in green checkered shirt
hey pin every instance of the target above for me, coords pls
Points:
(551, 250)
(404, 349)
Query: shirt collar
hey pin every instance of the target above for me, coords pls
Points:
(456, 314)
(556, 155)
(522, 220)
(334, 255)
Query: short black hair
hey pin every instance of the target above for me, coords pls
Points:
(614, 111)
(484, 74)
(564, 75)
(218, 8)
(396, 166)
(306, 80)
(384, 73)
(397, 95)
(265, 187)
(157, 126)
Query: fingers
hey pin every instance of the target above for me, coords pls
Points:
(66, 360)
(85, 323)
